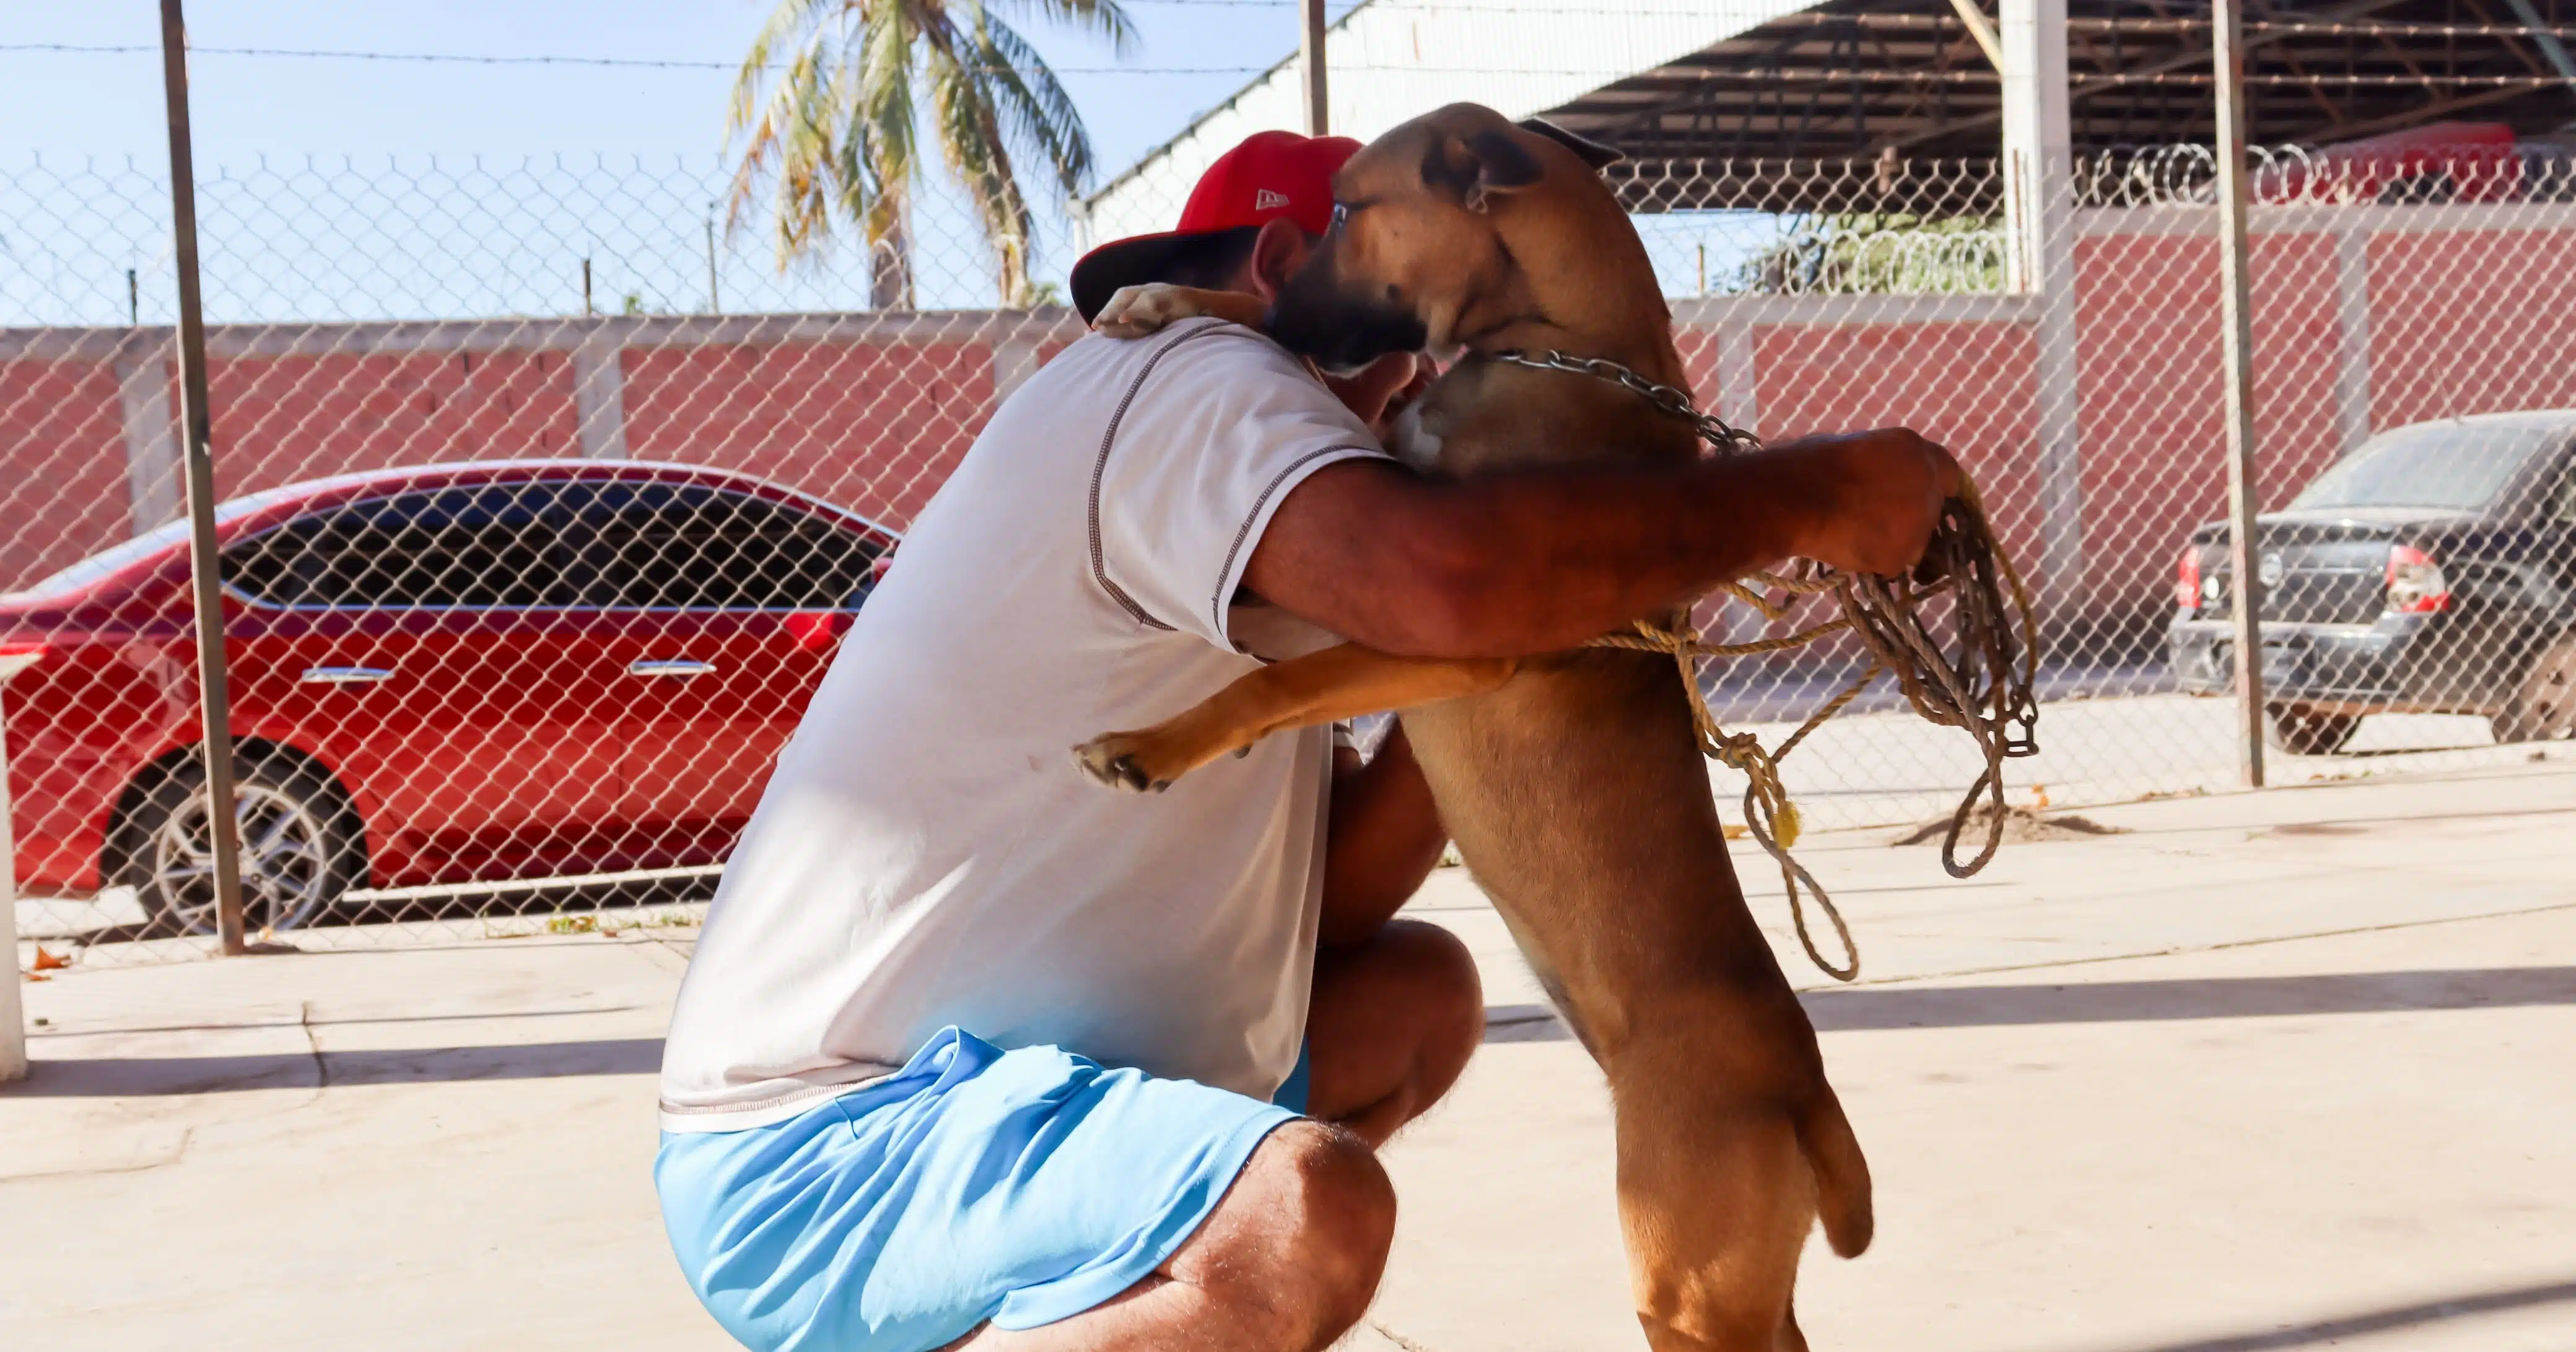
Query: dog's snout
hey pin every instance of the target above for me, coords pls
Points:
(1318, 315)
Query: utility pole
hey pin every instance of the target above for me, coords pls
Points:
(2236, 341)
(1318, 114)
(214, 699)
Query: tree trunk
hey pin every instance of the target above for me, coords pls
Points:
(889, 252)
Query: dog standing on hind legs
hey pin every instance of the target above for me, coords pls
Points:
(1572, 782)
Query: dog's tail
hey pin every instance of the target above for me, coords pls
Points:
(1842, 1174)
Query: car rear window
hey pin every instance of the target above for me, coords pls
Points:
(469, 547)
(2460, 465)
(688, 547)
(107, 563)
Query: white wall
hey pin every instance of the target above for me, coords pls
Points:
(1389, 60)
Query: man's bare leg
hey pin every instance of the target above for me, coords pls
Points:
(1391, 1027)
(1287, 1262)
(1290, 1258)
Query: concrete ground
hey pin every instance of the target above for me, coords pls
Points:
(2265, 1071)
(1877, 764)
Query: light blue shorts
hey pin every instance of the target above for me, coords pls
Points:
(975, 1184)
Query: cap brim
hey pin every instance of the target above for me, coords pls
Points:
(1099, 274)
(1139, 259)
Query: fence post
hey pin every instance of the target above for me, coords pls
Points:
(152, 470)
(599, 386)
(214, 702)
(2236, 341)
(13, 1012)
(2039, 193)
(1318, 116)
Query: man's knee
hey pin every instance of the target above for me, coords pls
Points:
(1451, 991)
(1345, 1217)
(1326, 1218)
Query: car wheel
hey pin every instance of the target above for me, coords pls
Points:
(299, 847)
(2302, 732)
(2544, 707)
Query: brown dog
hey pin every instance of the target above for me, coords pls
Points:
(1573, 783)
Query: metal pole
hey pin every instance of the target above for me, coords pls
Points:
(1311, 52)
(13, 1013)
(214, 699)
(715, 303)
(2236, 339)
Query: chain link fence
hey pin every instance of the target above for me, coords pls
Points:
(548, 498)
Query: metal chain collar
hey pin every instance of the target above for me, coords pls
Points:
(1675, 401)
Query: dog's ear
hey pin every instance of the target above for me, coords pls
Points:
(1593, 152)
(1478, 165)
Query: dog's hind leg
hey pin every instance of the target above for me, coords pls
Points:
(1718, 1182)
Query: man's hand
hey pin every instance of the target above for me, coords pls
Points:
(1881, 494)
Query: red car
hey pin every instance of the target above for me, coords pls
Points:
(438, 675)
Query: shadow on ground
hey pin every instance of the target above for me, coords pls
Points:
(2329, 1331)
(1836, 1011)
(150, 1076)
(1832, 1011)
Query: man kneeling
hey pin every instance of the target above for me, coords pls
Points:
(974, 1052)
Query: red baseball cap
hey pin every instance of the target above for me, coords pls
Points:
(1272, 174)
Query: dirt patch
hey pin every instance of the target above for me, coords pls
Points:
(2021, 827)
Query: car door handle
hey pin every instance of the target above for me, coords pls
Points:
(681, 667)
(345, 675)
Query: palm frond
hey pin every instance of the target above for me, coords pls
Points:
(1035, 110)
(832, 132)
(972, 141)
(1101, 18)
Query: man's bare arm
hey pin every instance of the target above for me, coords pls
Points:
(1507, 565)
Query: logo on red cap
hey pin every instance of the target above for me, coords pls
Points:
(1269, 199)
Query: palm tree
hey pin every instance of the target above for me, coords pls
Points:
(835, 128)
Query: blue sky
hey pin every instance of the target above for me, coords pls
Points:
(320, 198)
(409, 241)
(61, 103)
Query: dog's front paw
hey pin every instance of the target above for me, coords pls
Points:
(1136, 311)
(1120, 761)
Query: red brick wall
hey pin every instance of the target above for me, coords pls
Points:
(1967, 386)
(2465, 323)
(874, 427)
(281, 419)
(2150, 408)
(2461, 322)
(62, 466)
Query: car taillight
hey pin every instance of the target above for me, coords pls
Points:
(33, 651)
(812, 631)
(2187, 579)
(2415, 582)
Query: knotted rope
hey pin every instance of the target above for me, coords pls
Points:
(1984, 685)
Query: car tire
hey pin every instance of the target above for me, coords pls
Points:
(2302, 732)
(2544, 704)
(300, 848)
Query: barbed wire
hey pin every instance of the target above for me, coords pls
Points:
(1780, 76)
(475, 59)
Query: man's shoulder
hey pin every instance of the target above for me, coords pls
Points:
(1199, 341)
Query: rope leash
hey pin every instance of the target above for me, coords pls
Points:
(1986, 688)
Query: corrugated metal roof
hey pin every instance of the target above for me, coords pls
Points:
(1390, 60)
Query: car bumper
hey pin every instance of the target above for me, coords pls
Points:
(2330, 668)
